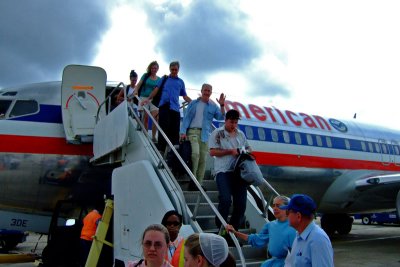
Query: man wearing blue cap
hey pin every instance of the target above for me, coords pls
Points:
(312, 246)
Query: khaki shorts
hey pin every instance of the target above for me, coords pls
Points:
(149, 105)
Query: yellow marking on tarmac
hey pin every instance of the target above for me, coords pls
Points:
(16, 258)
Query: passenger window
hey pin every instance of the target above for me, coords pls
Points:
(328, 141)
(319, 140)
(377, 148)
(249, 132)
(363, 146)
(297, 137)
(347, 143)
(384, 149)
(396, 150)
(4, 105)
(274, 135)
(370, 147)
(309, 140)
(286, 137)
(261, 134)
(24, 107)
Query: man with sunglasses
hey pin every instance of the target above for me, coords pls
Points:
(277, 235)
(169, 115)
(312, 246)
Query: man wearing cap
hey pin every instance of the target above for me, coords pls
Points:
(225, 144)
(312, 246)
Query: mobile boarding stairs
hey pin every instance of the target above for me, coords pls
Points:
(144, 188)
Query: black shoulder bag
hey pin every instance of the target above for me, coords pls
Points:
(157, 97)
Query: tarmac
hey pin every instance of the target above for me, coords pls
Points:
(367, 245)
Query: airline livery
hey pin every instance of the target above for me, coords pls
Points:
(345, 166)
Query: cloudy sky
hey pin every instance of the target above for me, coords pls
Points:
(330, 58)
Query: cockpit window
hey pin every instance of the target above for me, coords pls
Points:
(4, 105)
(9, 93)
(24, 107)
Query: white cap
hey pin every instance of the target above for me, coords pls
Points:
(214, 248)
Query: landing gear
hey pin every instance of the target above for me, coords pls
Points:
(341, 223)
(366, 220)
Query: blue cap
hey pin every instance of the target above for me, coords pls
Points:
(301, 203)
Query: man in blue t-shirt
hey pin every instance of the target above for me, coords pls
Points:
(169, 115)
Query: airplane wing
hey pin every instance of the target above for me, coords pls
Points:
(373, 181)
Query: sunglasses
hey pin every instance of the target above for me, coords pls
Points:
(174, 69)
(172, 223)
(276, 206)
(148, 244)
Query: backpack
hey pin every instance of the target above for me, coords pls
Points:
(157, 97)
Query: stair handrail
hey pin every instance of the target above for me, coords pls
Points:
(193, 179)
(109, 102)
(181, 199)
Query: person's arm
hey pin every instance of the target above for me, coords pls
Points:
(120, 96)
(231, 229)
(221, 102)
(136, 92)
(220, 152)
(153, 93)
(187, 99)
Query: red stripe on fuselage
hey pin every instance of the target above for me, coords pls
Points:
(290, 160)
(42, 145)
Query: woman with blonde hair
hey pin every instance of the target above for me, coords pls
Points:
(155, 241)
(143, 89)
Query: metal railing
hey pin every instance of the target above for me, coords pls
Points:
(193, 179)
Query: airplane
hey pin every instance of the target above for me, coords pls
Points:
(346, 166)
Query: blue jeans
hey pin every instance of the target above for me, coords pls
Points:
(230, 189)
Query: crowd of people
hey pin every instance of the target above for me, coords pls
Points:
(293, 239)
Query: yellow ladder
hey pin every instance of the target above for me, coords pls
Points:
(100, 236)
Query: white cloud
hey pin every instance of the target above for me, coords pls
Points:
(327, 58)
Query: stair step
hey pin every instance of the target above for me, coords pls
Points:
(191, 196)
(250, 252)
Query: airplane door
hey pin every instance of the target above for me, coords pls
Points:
(83, 89)
(385, 152)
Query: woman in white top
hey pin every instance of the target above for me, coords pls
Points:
(130, 89)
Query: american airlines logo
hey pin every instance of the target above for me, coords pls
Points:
(338, 125)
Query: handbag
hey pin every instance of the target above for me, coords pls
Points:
(245, 167)
(157, 97)
(185, 151)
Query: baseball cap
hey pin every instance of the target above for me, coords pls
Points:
(300, 203)
(214, 248)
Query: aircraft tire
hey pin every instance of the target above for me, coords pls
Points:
(328, 224)
(366, 220)
(342, 223)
